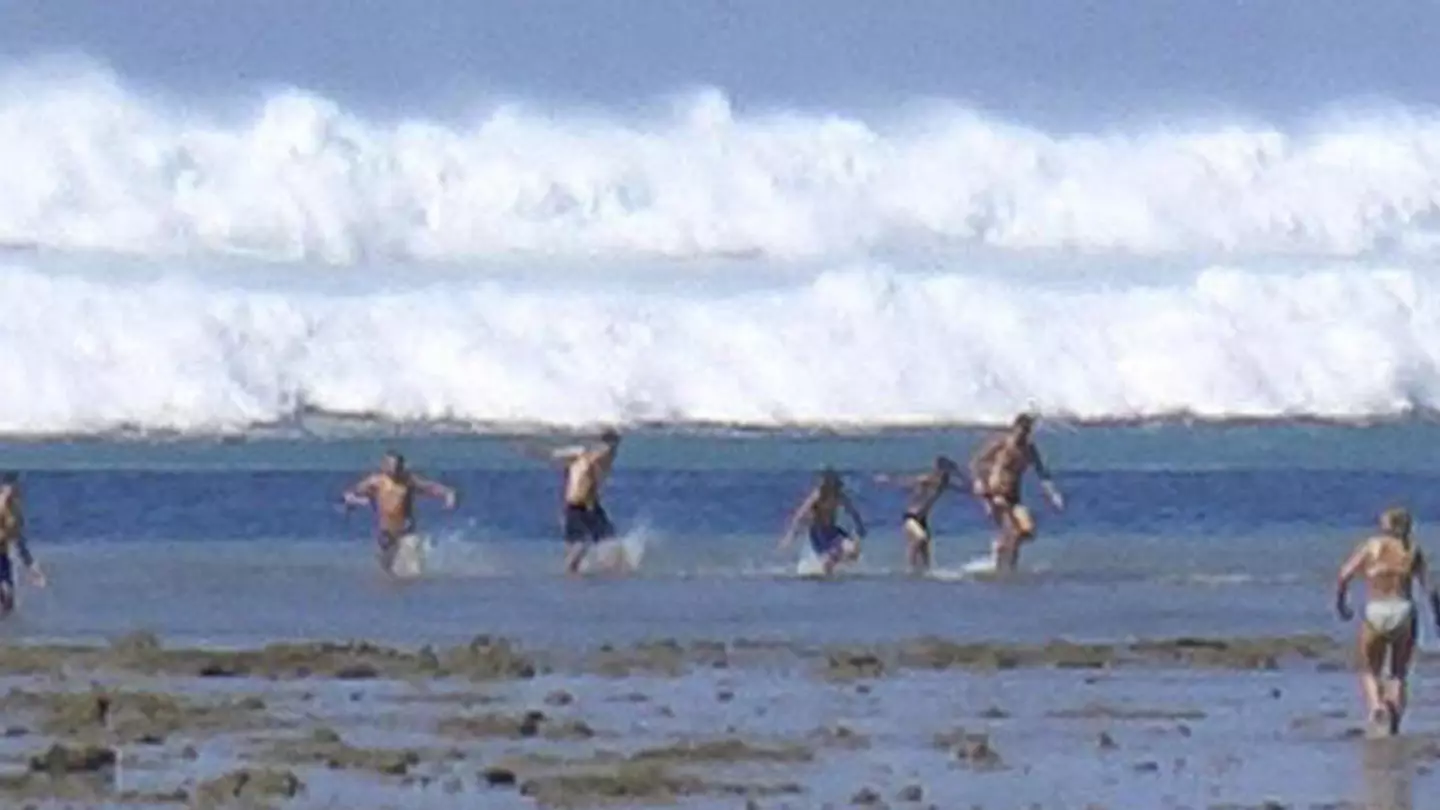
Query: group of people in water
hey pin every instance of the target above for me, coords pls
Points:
(1390, 562)
(996, 471)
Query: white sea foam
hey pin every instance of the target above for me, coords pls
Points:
(92, 164)
(861, 344)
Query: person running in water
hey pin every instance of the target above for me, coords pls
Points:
(12, 535)
(1389, 562)
(996, 471)
(392, 490)
(831, 544)
(587, 469)
(925, 489)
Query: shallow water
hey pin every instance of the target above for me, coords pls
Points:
(1167, 531)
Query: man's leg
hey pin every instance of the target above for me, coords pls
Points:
(577, 538)
(575, 551)
(1007, 543)
(386, 546)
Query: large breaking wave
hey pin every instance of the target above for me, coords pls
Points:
(90, 164)
(863, 285)
(863, 345)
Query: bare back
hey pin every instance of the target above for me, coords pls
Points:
(1390, 566)
(586, 474)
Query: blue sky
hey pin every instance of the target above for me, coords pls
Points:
(1059, 59)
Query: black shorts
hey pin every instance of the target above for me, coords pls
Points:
(587, 524)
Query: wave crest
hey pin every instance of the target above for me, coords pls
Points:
(92, 165)
(859, 346)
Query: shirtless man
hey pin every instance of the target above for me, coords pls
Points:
(1390, 562)
(585, 522)
(925, 489)
(392, 491)
(830, 543)
(996, 472)
(12, 533)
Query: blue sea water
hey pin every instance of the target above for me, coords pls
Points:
(1168, 530)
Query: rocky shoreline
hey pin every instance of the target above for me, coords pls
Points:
(140, 724)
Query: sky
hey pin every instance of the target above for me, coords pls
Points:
(1059, 60)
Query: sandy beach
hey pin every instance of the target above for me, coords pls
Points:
(1199, 723)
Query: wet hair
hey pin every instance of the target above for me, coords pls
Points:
(1024, 420)
(9, 477)
(610, 435)
(830, 478)
(1397, 522)
(397, 457)
(946, 464)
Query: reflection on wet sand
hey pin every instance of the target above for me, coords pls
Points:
(1387, 768)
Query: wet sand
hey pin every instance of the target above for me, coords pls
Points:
(1202, 723)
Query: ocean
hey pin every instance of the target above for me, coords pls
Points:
(240, 259)
(1168, 530)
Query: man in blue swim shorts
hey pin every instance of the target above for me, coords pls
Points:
(831, 543)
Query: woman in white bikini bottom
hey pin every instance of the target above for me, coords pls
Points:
(1389, 562)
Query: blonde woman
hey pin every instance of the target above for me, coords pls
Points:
(1390, 562)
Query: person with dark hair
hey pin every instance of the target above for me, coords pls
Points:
(996, 471)
(584, 522)
(831, 543)
(1390, 563)
(12, 535)
(392, 492)
(925, 490)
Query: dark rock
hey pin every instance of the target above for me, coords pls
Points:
(911, 793)
(865, 797)
(61, 759)
(249, 786)
(357, 672)
(498, 777)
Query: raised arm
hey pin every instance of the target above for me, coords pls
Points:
(361, 493)
(797, 517)
(563, 455)
(435, 490)
(899, 479)
(1348, 571)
